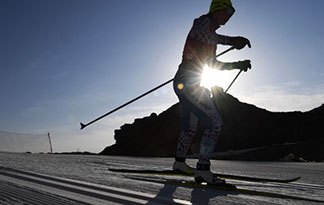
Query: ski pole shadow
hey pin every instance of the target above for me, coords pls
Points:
(204, 196)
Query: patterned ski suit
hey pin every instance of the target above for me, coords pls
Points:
(195, 101)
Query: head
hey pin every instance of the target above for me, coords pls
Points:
(221, 10)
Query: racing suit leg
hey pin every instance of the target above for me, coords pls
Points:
(196, 101)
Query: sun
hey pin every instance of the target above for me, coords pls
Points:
(212, 77)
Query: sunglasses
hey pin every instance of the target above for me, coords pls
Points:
(230, 11)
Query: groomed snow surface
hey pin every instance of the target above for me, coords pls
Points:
(82, 179)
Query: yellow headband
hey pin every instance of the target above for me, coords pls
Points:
(219, 4)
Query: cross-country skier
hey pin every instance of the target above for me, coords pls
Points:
(195, 101)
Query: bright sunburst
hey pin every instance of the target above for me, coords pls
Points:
(212, 77)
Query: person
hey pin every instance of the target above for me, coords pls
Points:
(195, 100)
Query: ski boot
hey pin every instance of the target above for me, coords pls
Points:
(183, 167)
(203, 174)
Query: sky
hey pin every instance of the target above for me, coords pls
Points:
(65, 62)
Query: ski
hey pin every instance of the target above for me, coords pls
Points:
(227, 187)
(192, 184)
(225, 176)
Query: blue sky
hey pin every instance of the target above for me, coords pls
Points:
(63, 62)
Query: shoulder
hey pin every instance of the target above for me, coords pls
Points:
(202, 20)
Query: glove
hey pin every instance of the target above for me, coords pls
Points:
(242, 65)
(240, 42)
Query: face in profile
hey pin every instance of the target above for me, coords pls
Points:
(222, 16)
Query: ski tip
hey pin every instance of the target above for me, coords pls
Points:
(82, 125)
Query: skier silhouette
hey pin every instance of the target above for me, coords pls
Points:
(195, 101)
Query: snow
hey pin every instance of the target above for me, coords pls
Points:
(61, 173)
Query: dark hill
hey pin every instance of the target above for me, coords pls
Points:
(245, 126)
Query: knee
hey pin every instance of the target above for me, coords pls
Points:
(189, 131)
(192, 131)
(215, 123)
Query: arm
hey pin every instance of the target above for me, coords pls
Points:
(202, 31)
(241, 65)
(218, 65)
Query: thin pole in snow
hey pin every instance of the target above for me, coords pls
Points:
(50, 142)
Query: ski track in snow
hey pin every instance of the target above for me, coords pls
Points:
(80, 179)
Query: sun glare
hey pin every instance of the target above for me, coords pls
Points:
(212, 77)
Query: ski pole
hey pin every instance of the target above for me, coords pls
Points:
(133, 100)
(114, 110)
(233, 81)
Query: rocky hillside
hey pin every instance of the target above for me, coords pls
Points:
(245, 126)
